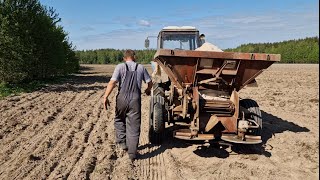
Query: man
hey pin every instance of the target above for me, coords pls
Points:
(205, 46)
(127, 119)
(202, 39)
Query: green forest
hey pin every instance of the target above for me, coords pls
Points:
(33, 46)
(112, 56)
(293, 51)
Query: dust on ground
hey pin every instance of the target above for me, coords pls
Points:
(62, 132)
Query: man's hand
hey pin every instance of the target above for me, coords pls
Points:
(106, 103)
(109, 89)
(148, 92)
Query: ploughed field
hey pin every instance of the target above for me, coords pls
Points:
(63, 132)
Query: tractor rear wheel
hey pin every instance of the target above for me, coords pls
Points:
(157, 124)
(254, 113)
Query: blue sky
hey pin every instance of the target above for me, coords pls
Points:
(125, 24)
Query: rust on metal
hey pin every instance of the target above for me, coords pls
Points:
(218, 55)
(184, 66)
(204, 90)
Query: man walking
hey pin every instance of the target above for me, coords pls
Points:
(127, 119)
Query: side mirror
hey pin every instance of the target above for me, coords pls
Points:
(146, 43)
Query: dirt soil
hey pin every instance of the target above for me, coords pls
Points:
(62, 132)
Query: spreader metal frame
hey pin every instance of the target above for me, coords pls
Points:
(194, 74)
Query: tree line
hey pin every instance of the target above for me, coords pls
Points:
(293, 51)
(33, 45)
(112, 56)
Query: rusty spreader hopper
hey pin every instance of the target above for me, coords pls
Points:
(202, 95)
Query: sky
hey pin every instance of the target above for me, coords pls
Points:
(121, 24)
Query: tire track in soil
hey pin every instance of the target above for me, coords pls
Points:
(143, 167)
(36, 143)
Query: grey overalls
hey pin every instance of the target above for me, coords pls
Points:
(128, 112)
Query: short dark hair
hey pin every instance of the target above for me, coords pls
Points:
(129, 53)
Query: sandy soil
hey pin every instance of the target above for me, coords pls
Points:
(62, 132)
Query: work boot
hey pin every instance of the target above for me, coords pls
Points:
(134, 157)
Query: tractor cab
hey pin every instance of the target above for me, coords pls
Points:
(177, 38)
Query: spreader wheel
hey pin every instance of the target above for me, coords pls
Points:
(254, 114)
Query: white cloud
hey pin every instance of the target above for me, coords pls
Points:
(144, 23)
